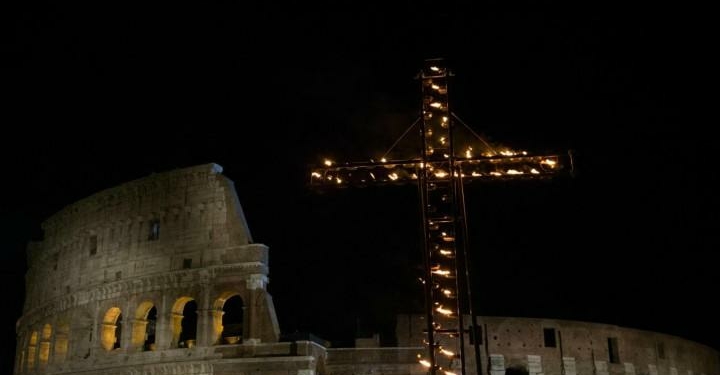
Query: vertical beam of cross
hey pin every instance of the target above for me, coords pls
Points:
(440, 218)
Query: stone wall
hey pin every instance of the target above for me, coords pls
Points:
(157, 252)
(550, 346)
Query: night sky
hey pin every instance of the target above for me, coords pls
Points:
(100, 93)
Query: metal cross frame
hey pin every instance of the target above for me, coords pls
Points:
(440, 173)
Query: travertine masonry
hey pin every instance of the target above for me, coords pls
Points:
(140, 274)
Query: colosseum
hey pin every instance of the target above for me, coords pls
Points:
(161, 276)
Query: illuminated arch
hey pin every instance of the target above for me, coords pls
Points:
(184, 322)
(228, 314)
(46, 332)
(32, 350)
(143, 331)
(61, 342)
(110, 335)
(44, 353)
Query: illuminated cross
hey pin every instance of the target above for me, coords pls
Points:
(440, 173)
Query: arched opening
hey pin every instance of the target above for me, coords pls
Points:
(44, 354)
(118, 332)
(143, 332)
(32, 350)
(188, 331)
(232, 320)
(150, 330)
(184, 323)
(184, 314)
(111, 333)
(61, 343)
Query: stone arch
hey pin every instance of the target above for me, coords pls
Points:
(60, 347)
(44, 352)
(184, 322)
(111, 333)
(228, 318)
(143, 331)
(32, 350)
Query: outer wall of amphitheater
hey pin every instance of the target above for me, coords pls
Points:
(551, 346)
(160, 276)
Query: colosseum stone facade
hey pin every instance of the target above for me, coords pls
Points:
(161, 276)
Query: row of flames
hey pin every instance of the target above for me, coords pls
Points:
(403, 171)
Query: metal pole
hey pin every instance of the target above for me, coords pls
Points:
(465, 245)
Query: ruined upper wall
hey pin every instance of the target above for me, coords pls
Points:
(186, 218)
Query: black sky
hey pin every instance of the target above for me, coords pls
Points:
(99, 93)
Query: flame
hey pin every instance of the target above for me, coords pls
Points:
(445, 119)
(436, 105)
(447, 238)
(496, 173)
(475, 174)
(534, 171)
(393, 176)
(449, 373)
(339, 181)
(441, 272)
(434, 68)
(443, 311)
(441, 174)
(328, 162)
(372, 175)
(549, 162)
(424, 363)
(435, 87)
(514, 171)
(316, 175)
(383, 160)
(446, 252)
(447, 352)
(447, 292)
(442, 140)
